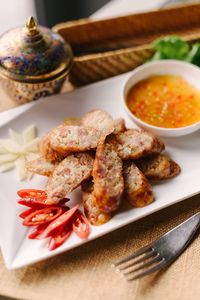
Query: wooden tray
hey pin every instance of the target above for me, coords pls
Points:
(110, 47)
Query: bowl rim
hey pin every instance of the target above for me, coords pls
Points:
(146, 66)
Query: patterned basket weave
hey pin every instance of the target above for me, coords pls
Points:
(110, 47)
(90, 69)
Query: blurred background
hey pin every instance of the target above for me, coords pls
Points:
(50, 12)
(47, 12)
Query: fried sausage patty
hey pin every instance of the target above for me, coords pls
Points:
(135, 143)
(92, 212)
(45, 146)
(75, 121)
(68, 175)
(158, 167)
(108, 179)
(46, 151)
(40, 166)
(67, 139)
(100, 120)
(138, 190)
(119, 125)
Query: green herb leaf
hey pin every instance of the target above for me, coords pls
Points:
(171, 47)
(194, 55)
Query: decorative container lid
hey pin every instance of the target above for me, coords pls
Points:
(33, 54)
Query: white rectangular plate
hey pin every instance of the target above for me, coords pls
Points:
(19, 251)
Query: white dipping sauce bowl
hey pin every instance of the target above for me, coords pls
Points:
(188, 71)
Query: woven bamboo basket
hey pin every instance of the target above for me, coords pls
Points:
(106, 48)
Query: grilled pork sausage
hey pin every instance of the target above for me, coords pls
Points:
(67, 139)
(135, 143)
(100, 120)
(158, 167)
(119, 125)
(69, 174)
(108, 179)
(47, 151)
(138, 190)
(40, 166)
(92, 212)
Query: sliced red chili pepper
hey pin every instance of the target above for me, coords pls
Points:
(31, 202)
(32, 193)
(37, 231)
(60, 237)
(81, 226)
(59, 222)
(26, 213)
(33, 198)
(40, 203)
(42, 216)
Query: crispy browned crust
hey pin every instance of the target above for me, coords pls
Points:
(92, 212)
(68, 175)
(135, 143)
(100, 120)
(40, 166)
(47, 151)
(108, 179)
(138, 190)
(158, 167)
(75, 121)
(66, 139)
(119, 125)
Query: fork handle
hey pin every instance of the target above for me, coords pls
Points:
(195, 219)
(189, 226)
(183, 234)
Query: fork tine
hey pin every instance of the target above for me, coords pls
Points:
(132, 263)
(161, 264)
(139, 252)
(147, 264)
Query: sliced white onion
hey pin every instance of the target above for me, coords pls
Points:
(10, 146)
(14, 152)
(2, 150)
(4, 158)
(32, 146)
(29, 134)
(7, 166)
(15, 137)
(21, 168)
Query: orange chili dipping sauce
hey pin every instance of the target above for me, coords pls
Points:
(165, 101)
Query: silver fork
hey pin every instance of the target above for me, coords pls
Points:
(160, 253)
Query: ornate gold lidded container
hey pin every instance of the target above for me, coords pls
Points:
(34, 62)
